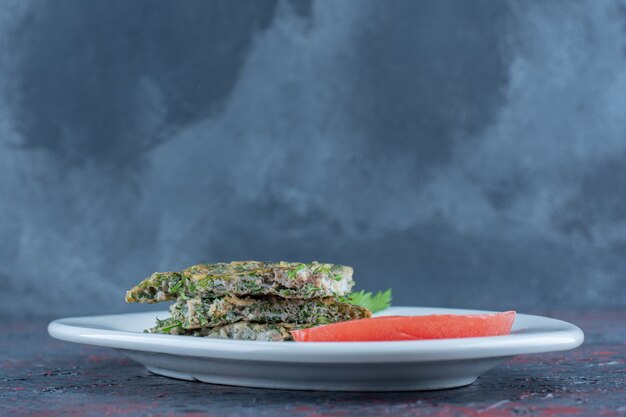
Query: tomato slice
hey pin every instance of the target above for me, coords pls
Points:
(436, 326)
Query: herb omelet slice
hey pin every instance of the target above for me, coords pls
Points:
(199, 312)
(282, 279)
(242, 330)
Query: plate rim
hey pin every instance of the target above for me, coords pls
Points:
(562, 336)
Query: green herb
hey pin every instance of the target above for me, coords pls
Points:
(322, 320)
(204, 282)
(292, 273)
(311, 289)
(167, 329)
(285, 292)
(251, 287)
(337, 277)
(373, 302)
(324, 269)
(176, 287)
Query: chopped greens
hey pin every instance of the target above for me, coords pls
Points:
(373, 302)
(204, 282)
(311, 289)
(292, 274)
(176, 287)
(166, 329)
(324, 269)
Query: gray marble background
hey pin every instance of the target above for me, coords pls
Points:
(464, 153)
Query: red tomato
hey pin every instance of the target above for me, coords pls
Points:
(436, 326)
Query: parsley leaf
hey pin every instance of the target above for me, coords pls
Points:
(373, 302)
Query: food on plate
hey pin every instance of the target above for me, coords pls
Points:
(254, 300)
(200, 312)
(241, 330)
(284, 279)
(387, 328)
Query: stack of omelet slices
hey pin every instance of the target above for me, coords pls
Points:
(250, 300)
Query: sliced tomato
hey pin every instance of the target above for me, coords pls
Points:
(436, 326)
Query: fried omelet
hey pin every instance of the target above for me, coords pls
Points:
(250, 300)
(284, 279)
(242, 330)
(200, 312)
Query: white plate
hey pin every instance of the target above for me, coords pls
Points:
(351, 366)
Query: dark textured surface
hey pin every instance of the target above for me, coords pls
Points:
(465, 153)
(44, 377)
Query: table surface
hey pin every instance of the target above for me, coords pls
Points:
(40, 376)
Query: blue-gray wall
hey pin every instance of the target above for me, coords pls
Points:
(465, 153)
